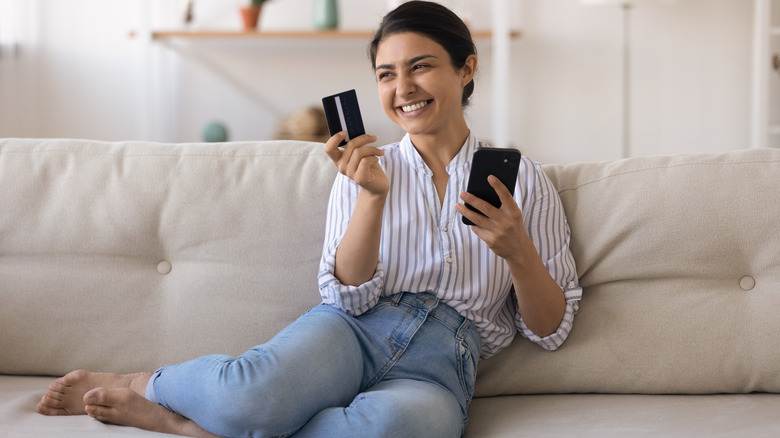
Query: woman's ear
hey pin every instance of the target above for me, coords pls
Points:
(468, 70)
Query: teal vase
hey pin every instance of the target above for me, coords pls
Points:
(326, 14)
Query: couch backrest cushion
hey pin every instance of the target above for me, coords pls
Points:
(679, 257)
(127, 256)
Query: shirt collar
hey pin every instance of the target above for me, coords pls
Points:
(463, 157)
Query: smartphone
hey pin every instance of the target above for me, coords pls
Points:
(342, 113)
(500, 162)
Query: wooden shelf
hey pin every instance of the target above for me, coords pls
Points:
(312, 35)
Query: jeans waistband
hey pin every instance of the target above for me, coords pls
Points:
(425, 301)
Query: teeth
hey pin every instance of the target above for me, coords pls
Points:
(414, 107)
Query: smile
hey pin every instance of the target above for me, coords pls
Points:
(414, 107)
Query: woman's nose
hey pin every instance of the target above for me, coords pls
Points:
(405, 86)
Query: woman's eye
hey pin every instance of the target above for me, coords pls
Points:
(383, 75)
(419, 66)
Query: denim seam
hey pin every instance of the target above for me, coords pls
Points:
(419, 321)
(396, 352)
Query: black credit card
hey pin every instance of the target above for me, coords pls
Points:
(343, 114)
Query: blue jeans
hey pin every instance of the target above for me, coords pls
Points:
(405, 368)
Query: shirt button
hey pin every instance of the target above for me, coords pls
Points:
(444, 228)
(448, 260)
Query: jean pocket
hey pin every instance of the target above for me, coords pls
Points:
(467, 368)
(381, 304)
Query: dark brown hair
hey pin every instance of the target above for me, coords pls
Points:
(435, 22)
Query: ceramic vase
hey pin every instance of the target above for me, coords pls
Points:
(326, 14)
(250, 16)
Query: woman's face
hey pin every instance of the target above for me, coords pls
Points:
(419, 88)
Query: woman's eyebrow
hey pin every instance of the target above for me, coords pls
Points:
(409, 62)
(418, 58)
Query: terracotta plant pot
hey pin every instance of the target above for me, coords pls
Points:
(250, 16)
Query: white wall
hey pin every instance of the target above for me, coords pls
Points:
(690, 78)
(693, 77)
(82, 76)
(74, 76)
(276, 77)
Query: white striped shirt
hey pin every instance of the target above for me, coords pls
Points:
(426, 248)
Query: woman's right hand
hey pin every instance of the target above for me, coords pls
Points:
(359, 162)
(357, 254)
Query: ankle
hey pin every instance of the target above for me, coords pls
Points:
(139, 382)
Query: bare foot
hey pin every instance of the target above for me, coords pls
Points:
(65, 396)
(125, 407)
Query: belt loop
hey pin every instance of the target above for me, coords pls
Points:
(397, 298)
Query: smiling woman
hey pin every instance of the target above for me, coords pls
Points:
(412, 298)
(421, 89)
(437, 24)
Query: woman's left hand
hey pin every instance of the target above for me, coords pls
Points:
(500, 228)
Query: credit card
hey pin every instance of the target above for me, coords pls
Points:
(343, 114)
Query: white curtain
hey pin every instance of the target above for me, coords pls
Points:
(9, 32)
(18, 25)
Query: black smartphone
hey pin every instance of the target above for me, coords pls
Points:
(342, 113)
(500, 162)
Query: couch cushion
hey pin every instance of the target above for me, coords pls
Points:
(128, 256)
(591, 415)
(678, 256)
(624, 415)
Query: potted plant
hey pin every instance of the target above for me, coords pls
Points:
(251, 14)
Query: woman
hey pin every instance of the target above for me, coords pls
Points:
(412, 298)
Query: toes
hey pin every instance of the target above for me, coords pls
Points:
(104, 414)
(57, 386)
(97, 396)
(52, 400)
(108, 396)
(64, 395)
(109, 405)
(75, 376)
(48, 410)
(68, 380)
(98, 404)
(51, 404)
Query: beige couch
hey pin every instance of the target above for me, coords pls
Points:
(126, 256)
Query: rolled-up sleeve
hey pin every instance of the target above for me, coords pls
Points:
(547, 226)
(353, 300)
(553, 341)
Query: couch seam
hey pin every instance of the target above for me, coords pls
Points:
(218, 155)
(630, 172)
